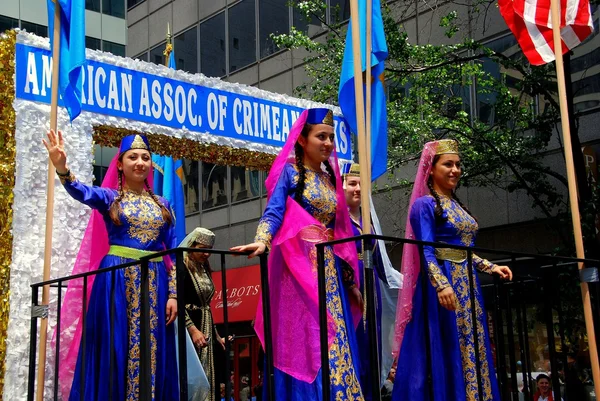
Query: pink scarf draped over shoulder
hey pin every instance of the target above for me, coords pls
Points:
(293, 274)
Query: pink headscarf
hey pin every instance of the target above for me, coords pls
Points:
(94, 247)
(411, 257)
(293, 274)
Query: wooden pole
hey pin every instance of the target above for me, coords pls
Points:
(366, 170)
(360, 113)
(573, 198)
(41, 374)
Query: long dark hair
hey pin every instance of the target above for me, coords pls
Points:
(115, 207)
(299, 151)
(438, 211)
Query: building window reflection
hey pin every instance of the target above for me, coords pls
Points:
(214, 186)
(186, 50)
(245, 184)
(242, 35)
(191, 180)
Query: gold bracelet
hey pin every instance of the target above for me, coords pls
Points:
(66, 177)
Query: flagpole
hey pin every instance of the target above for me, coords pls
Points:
(366, 183)
(573, 198)
(360, 112)
(41, 373)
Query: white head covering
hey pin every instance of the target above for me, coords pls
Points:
(199, 235)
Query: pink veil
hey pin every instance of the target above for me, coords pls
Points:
(411, 257)
(293, 276)
(94, 247)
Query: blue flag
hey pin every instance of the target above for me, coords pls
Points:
(171, 63)
(72, 51)
(168, 181)
(379, 53)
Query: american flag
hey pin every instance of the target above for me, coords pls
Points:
(529, 20)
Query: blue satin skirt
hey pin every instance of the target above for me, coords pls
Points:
(450, 359)
(94, 379)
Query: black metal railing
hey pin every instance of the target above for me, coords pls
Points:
(530, 270)
(508, 310)
(41, 311)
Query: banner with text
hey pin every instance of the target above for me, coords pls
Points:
(121, 92)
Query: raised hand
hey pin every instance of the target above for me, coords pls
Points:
(56, 151)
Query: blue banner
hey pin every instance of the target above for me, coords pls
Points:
(121, 92)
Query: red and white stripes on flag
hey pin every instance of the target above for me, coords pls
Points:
(530, 22)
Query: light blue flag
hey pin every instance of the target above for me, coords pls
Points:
(379, 53)
(72, 51)
(172, 61)
(168, 183)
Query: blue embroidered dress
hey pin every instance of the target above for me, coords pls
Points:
(142, 228)
(452, 366)
(362, 333)
(319, 199)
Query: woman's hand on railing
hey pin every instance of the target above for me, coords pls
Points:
(447, 298)
(503, 271)
(56, 151)
(257, 248)
(171, 310)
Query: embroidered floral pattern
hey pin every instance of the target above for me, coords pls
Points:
(143, 215)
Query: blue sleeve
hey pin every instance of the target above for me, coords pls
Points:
(170, 242)
(273, 216)
(95, 197)
(422, 221)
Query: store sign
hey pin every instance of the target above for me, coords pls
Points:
(243, 292)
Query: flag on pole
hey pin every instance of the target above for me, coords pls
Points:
(379, 53)
(72, 51)
(529, 21)
(168, 183)
(168, 173)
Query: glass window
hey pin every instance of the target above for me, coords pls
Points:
(92, 5)
(214, 185)
(190, 186)
(116, 8)
(273, 19)
(102, 158)
(506, 45)
(7, 23)
(212, 46)
(143, 56)
(242, 35)
(39, 30)
(114, 48)
(186, 51)
(245, 184)
(92, 43)
(311, 26)
(340, 10)
(157, 56)
(133, 3)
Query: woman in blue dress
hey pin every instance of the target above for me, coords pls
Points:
(445, 369)
(138, 223)
(306, 205)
